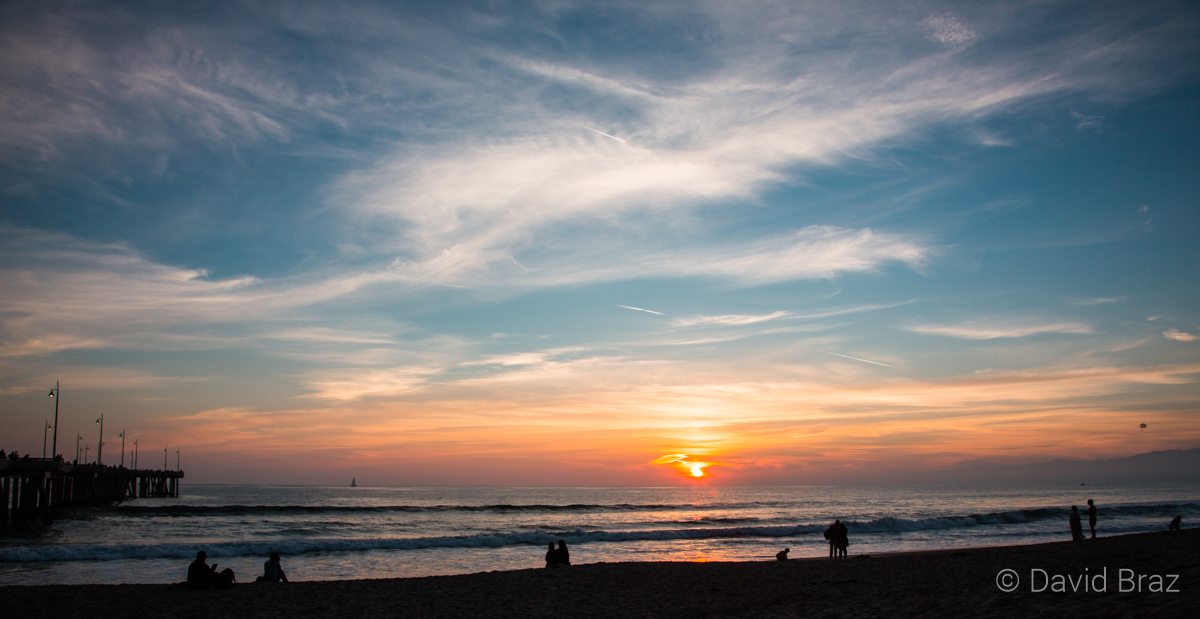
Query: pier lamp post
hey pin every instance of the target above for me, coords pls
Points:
(165, 457)
(122, 449)
(176, 459)
(44, 439)
(78, 438)
(100, 444)
(135, 454)
(54, 445)
(86, 447)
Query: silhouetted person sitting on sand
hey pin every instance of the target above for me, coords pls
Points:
(1076, 526)
(1092, 517)
(272, 572)
(558, 557)
(203, 576)
(782, 555)
(1175, 522)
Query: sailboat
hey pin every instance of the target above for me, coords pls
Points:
(353, 483)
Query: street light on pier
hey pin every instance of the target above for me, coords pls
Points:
(135, 452)
(54, 446)
(176, 459)
(85, 452)
(100, 445)
(165, 457)
(44, 439)
(78, 438)
(122, 449)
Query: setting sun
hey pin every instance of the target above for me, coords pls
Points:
(679, 461)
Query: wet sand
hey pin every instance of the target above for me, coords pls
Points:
(950, 583)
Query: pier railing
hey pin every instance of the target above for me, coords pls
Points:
(37, 487)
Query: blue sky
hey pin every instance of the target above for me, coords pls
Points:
(419, 238)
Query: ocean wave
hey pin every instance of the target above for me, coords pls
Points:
(540, 537)
(1021, 515)
(109, 552)
(899, 525)
(248, 510)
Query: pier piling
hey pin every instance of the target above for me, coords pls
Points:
(37, 487)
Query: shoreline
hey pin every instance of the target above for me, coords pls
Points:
(933, 583)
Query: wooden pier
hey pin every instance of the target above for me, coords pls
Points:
(39, 487)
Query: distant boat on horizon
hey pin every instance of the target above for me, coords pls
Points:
(353, 483)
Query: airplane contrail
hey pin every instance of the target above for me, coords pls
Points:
(856, 358)
(642, 310)
(606, 135)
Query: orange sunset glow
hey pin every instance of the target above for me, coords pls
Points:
(786, 424)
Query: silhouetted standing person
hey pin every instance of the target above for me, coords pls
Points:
(564, 555)
(1092, 517)
(1076, 525)
(843, 539)
(831, 535)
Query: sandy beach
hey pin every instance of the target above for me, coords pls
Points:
(949, 583)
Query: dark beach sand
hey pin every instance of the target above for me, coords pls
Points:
(955, 583)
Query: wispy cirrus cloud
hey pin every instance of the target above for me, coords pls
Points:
(990, 330)
(515, 185)
(814, 252)
(527, 358)
(500, 203)
(1179, 336)
(62, 293)
(353, 384)
(949, 31)
(729, 319)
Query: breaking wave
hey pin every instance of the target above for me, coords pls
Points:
(539, 537)
(109, 552)
(251, 510)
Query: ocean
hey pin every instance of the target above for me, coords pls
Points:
(333, 533)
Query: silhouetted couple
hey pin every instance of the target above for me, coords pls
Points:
(839, 539)
(1076, 525)
(201, 575)
(558, 557)
(272, 572)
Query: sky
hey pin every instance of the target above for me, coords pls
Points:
(573, 243)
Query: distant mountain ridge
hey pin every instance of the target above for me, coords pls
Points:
(1169, 466)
